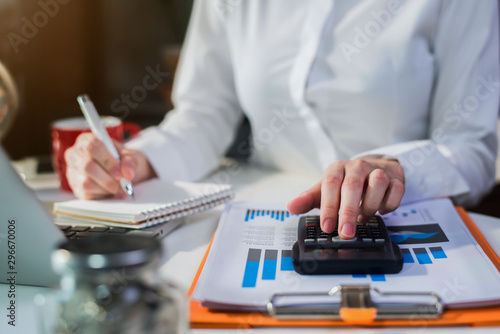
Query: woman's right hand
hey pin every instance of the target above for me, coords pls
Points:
(93, 173)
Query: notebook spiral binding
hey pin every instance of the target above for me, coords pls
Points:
(187, 207)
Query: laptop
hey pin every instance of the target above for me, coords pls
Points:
(28, 233)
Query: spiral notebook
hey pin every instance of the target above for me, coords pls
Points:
(156, 201)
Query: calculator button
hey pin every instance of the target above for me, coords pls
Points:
(367, 239)
(339, 240)
(99, 229)
(83, 234)
(79, 228)
(118, 230)
(379, 240)
(309, 241)
(322, 240)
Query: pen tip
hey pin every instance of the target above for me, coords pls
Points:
(130, 192)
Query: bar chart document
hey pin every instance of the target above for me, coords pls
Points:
(250, 258)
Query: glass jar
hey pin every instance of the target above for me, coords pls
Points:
(110, 284)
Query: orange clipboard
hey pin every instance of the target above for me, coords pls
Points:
(202, 317)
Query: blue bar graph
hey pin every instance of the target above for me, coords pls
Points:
(422, 256)
(378, 278)
(279, 215)
(438, 253)
(374, 277)
(407, 257)
(270, 263)
(251, 268)
(286, 260)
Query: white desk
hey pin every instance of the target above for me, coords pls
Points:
(184, 248)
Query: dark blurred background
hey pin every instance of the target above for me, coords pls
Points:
(58, 49)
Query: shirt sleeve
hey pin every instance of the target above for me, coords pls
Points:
(458, 158)
(189, 142)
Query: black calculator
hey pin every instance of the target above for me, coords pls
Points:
(371, 251)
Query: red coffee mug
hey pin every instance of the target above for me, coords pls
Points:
(64, 134)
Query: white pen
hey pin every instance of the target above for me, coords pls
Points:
(100, 132)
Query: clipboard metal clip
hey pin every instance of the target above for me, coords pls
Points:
(355, 304)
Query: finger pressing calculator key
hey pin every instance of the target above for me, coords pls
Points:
(370, 235)
(370, 251)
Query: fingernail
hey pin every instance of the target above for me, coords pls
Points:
(328, 226)
(347, 230)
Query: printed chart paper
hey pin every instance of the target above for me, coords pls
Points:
(250, 259)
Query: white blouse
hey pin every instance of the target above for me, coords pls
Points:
(325, 80)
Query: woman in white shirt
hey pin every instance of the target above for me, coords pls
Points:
(375, 97)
